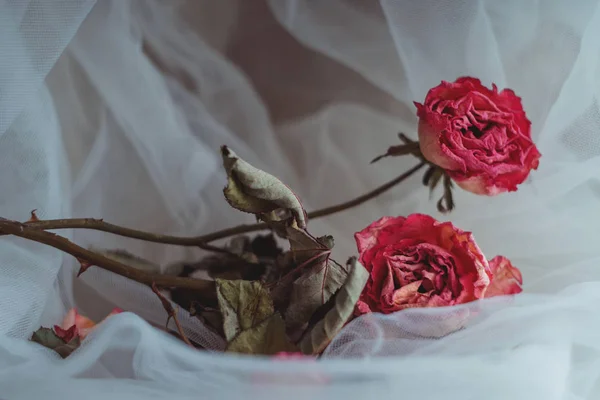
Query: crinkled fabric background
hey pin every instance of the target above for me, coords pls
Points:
(116, 108)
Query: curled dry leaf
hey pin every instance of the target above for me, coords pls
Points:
(248, 260)
(317, 339)
(313, 289)
(252, 190)
(266, 338)
(244, 304)
(312, 278)
(244, 266)
(48, 338)
(211, 318)
(432, 177)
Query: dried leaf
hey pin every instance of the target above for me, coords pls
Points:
(437, 175)
(252, 190)
(305, 252)
(317, 339)
(396, 151)
(243, 267)
(252, 260)
(48, 338)
(244, 304)
(265, 246)
(446, 203)
(242, 262)
(427, 175)
(212, 319)
(300, 240)
(266, 338)
(313, 289)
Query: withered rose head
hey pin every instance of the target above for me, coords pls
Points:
(419, 262)
(480, 136)
(78, 325)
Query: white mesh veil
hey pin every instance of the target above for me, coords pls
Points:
(116, 110)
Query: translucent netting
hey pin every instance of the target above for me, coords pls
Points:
(119, 113)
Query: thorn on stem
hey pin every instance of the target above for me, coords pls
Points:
(84, 265)
(34, 217)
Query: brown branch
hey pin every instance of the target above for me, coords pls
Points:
(367, 196)
(202, 241)
(100, 225)
(206, 289)
(172, 315)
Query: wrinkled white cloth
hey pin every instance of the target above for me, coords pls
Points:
(116, 109)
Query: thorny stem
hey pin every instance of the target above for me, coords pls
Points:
(206, 289)
(202, 241)
(172, 315)
(35, 230)
(100, 225)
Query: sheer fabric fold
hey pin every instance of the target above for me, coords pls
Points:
(116, 109)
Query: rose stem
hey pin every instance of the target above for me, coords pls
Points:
(172, 314)
(100, 225)
(206, 289)
(201, 241)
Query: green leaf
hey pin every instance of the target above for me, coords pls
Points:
(266, 338)
(244, 304)
(48, 338)
(321, 334)
(252, 190)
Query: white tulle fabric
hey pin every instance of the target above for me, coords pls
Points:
(115, 109)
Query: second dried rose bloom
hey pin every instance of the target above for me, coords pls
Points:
(480, 136)
(419, 262)
(75, 324)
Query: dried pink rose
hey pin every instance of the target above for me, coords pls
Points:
(83, 325)
(480, 136)
(419, 262)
